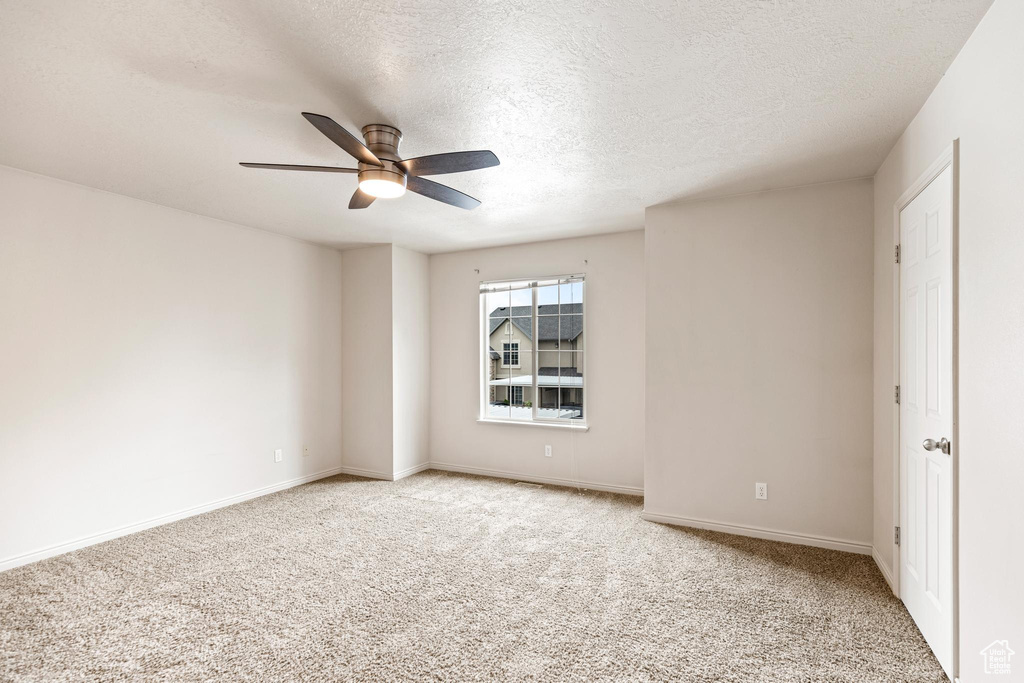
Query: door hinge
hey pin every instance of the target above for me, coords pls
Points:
(897, 253)
(896, 394)
(896, 535)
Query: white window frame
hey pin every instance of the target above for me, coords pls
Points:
(511, 343)
(534, 284)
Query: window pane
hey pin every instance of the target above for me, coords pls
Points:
(502, 372)
(499, 388)
(571, 293)
(498, 328)
(521, 407)
(547, 300)
(499, 352)
(522, 356)
(548, 368)
(496, 304)
(547, 333)
(570, 368)
(521, 298)
(522, 329)
(570, 381)
(570, 331)
(495, 335)
(521, 371)
(547, 385)
(507, 346)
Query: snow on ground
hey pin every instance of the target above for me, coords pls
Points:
(524, 413)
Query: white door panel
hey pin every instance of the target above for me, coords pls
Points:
(926, 412)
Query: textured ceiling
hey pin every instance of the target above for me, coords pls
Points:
(596, 108)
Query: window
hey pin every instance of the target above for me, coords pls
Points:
(510, 354)
(532, 350)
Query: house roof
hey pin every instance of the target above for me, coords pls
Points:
(494, 354)
(547, 320)
(565, 372)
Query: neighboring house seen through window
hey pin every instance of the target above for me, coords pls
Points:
(533, 350)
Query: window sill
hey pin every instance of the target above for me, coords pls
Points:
(531, 423)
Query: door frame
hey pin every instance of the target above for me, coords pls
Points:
(950, 157)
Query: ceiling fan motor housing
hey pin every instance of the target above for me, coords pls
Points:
(383, 141)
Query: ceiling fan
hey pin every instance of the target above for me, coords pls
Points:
(385, 175)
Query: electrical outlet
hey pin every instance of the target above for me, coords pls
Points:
(547, 451)
(761, 491)
(278, 455)
(305, 451)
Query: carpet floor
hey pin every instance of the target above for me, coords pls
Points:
(445, 576)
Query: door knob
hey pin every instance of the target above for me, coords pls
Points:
(940, 445)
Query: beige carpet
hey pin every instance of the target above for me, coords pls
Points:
(451, 577)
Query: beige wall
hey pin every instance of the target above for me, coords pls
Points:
(151, 361)
(980, 101)
(410, 277)
(367, 362)
(385, 356)
(611, 453)
(759, 361)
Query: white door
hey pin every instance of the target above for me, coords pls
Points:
(926, 414)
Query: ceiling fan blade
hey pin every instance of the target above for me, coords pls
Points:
(295, 167)
(342, 138)
(360, 200)
(452, 162)
(442, 193)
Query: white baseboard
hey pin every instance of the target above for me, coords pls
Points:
(553, 481)
(411, 470)
(385, 476)
(886, 572)
(61, 548)
(758, 532)
(368, 474)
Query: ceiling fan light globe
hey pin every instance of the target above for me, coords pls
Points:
(381, 188)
